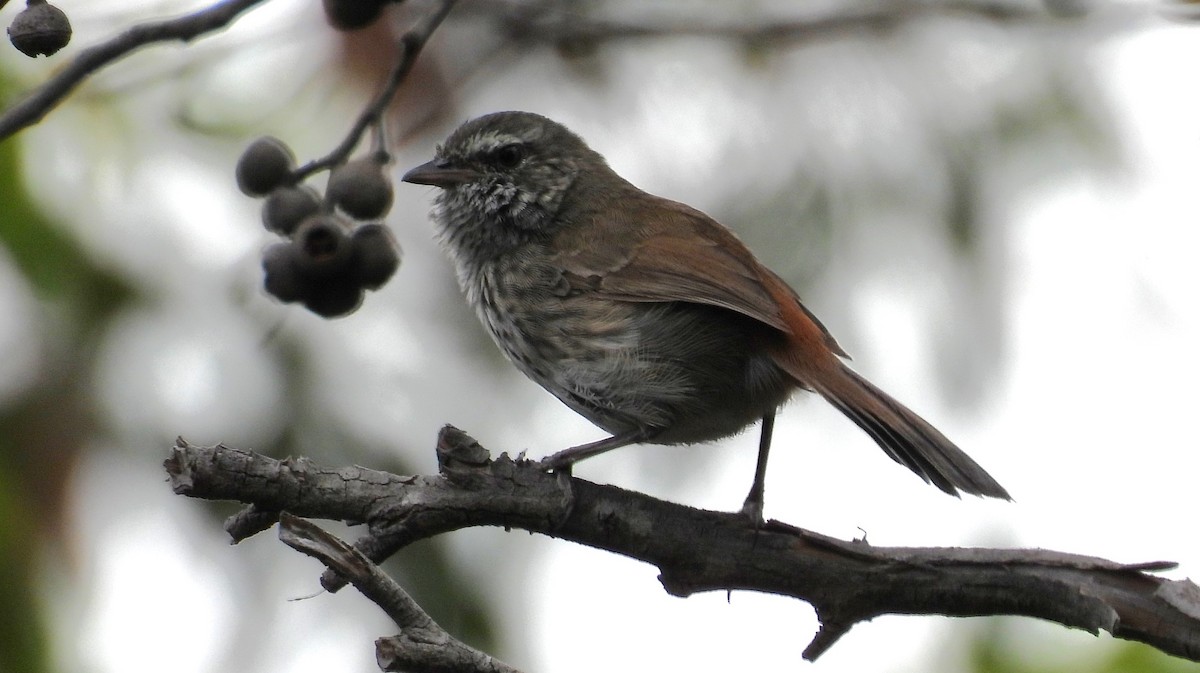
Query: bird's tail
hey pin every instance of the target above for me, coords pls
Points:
(905, 436)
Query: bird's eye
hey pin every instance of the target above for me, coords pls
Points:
(509, 156)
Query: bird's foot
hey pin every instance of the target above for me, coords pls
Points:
(753, 510)
(558, 463)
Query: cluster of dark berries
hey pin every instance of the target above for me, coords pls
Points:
(41, 29)
(330, 256)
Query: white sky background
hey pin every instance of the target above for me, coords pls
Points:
(1091, 431)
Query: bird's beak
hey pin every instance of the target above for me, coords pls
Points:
(439, 173)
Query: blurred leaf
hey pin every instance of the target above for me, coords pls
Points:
(994, 653)
(42, 431)
(48, 258)
(23, 645)
(1138, 658)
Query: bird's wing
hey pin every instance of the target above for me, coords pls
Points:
(682, 254)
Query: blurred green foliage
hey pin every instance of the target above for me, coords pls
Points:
(995, 648)
(23, 637)
(45, 426)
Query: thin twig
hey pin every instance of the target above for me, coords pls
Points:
(422, 643)
(38, 103)
(410, 45)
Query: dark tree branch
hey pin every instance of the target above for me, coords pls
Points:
(556, 24)
(697, 550)
(550, 23)
(410, 45)
(38, 103)
(422, 644)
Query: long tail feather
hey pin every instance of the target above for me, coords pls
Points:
(905, 436)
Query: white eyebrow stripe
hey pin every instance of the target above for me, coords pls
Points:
(485, 142)
(482, 143)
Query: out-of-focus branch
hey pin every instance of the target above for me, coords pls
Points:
(554, 24)
(410, 45)
(698, 550)
(38, 103)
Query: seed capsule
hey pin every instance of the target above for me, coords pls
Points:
(352, 14)
(283, 279)
(361, 188)
(266, 164)
(335, 298)
(323, 246)
(288, 206)
(41, 29)
(376, 255)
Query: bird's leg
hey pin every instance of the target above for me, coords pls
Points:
(568, 457)
(753, 507)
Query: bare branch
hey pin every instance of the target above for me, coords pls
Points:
(38, 103)
(698, 550)
(549, 23)
(410, 45)
(422, 644)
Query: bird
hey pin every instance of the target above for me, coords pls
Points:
(644, 315)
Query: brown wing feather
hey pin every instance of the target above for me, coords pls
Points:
(687, 256)
(677, 253)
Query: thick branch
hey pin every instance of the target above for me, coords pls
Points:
(699, 550)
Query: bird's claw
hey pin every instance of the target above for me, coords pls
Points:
(551, 465)
(753, 510)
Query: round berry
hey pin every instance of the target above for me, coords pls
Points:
(376, 255)
(288, 206)
(283, 279)
(41, 29)
(361, 189)
(323, 247)
(352, 14)
(266, 164)
(337, 297)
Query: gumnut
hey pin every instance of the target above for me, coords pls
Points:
(377, 255)
(361, 188)
(265, 165)
(352, 14)
(303, 270)
(288, 206)
(283, 280)
(324, 245)
(41, 29)
(335, 298)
